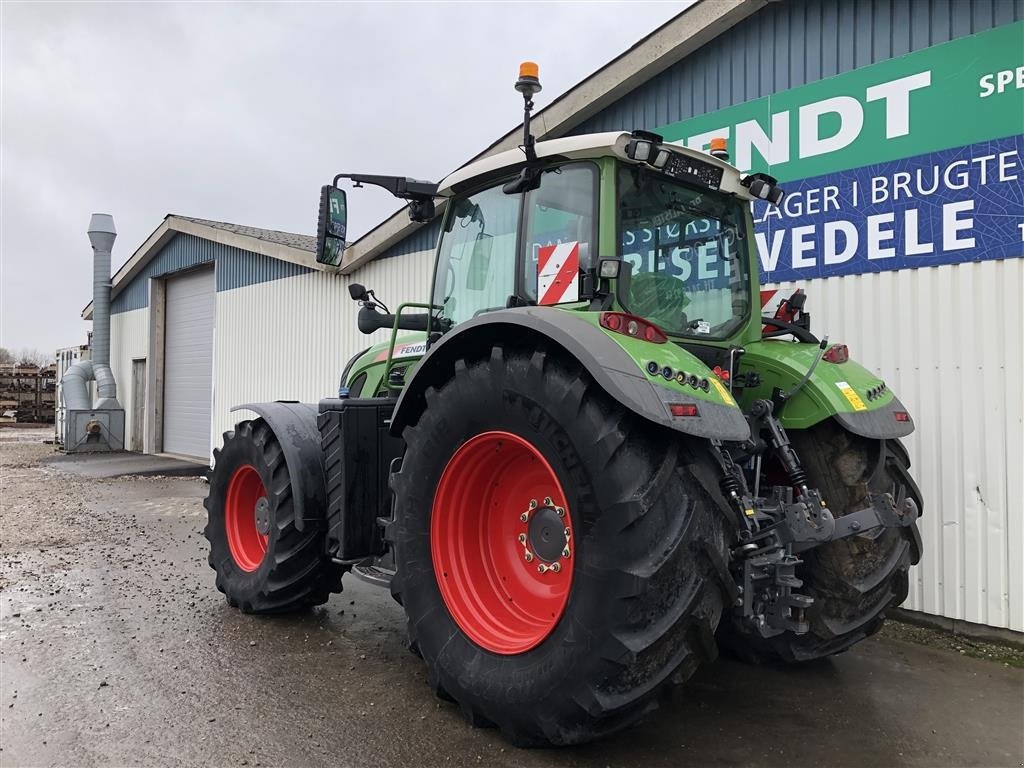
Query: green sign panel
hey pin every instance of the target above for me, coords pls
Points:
(908, 163)
(958, 93)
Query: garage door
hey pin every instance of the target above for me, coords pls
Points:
(188, 363)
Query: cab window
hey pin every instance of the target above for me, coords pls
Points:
(560, 212)
(476, 265)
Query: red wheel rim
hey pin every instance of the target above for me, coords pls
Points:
(247, 543)
(497, 502)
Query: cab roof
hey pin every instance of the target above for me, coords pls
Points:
(591, 145)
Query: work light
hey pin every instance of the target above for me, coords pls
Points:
(609, 268)
(643, 145)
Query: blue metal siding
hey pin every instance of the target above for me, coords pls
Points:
(789, 44)
(423, 239)
(234, 268)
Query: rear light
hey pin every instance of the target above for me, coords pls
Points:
(721, 373)
(683, 409)
(901, 415)
(837, 353)
(631, 325)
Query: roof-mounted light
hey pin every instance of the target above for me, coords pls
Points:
(764, 187)
(643, 146)
(718, 149)
(661, 158)
(529, 78)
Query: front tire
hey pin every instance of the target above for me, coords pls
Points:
(564, 655)
(264, 564)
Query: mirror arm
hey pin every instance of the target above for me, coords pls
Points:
(399, 186)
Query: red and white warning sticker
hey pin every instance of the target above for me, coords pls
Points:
(558, 271)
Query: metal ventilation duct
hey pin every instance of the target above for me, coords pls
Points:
(100, 426)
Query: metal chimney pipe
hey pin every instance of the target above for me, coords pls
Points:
(101, 235)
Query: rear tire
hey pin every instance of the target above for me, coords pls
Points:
(642, 603)
(853, 581)
(264, 564)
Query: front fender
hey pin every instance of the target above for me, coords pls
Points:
(855, 397)
(619, 373)
(295, 426)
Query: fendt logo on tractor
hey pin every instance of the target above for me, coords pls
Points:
(589, 460)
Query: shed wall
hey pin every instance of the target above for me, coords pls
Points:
(290, 339)
(129, 340)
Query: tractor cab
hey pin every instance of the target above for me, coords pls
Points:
(612, 222)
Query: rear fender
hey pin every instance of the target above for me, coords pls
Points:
(855, 397)
(616, 371)
(294, 424)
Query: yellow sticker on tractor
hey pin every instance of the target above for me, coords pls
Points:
(723, 391)
(852, 396)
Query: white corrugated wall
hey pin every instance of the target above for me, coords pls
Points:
(289, 339)
(949, 341)
(129, 340)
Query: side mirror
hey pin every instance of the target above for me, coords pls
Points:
(330, 230)
(358, 292)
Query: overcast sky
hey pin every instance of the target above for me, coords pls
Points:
(239, 112)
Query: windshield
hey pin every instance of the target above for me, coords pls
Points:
(683, 251)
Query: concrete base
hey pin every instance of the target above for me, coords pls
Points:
(959, 627)
(122, 463)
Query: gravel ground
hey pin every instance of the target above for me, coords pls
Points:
(115, 649)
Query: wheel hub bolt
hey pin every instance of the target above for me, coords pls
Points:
(528, 555)
(566, 552)
(522, 538)
(560, 511)
(542, 568)
(262, 514)
(533, 503)
(556, 567)
(524, 517)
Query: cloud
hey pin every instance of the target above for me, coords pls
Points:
(239, 112)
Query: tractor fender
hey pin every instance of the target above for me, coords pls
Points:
(295, 425)
(847, 392)
(878, 423)
(611, 367)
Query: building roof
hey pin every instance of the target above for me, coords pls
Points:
(673, 41)
(285, 246)
(302, 242)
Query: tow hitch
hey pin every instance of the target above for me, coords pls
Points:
(774, 530)
(766, 559)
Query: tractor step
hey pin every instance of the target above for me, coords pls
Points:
(373, 574)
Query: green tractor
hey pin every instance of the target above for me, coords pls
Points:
(588, 461)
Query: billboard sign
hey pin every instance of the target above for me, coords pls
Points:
(912, 162)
